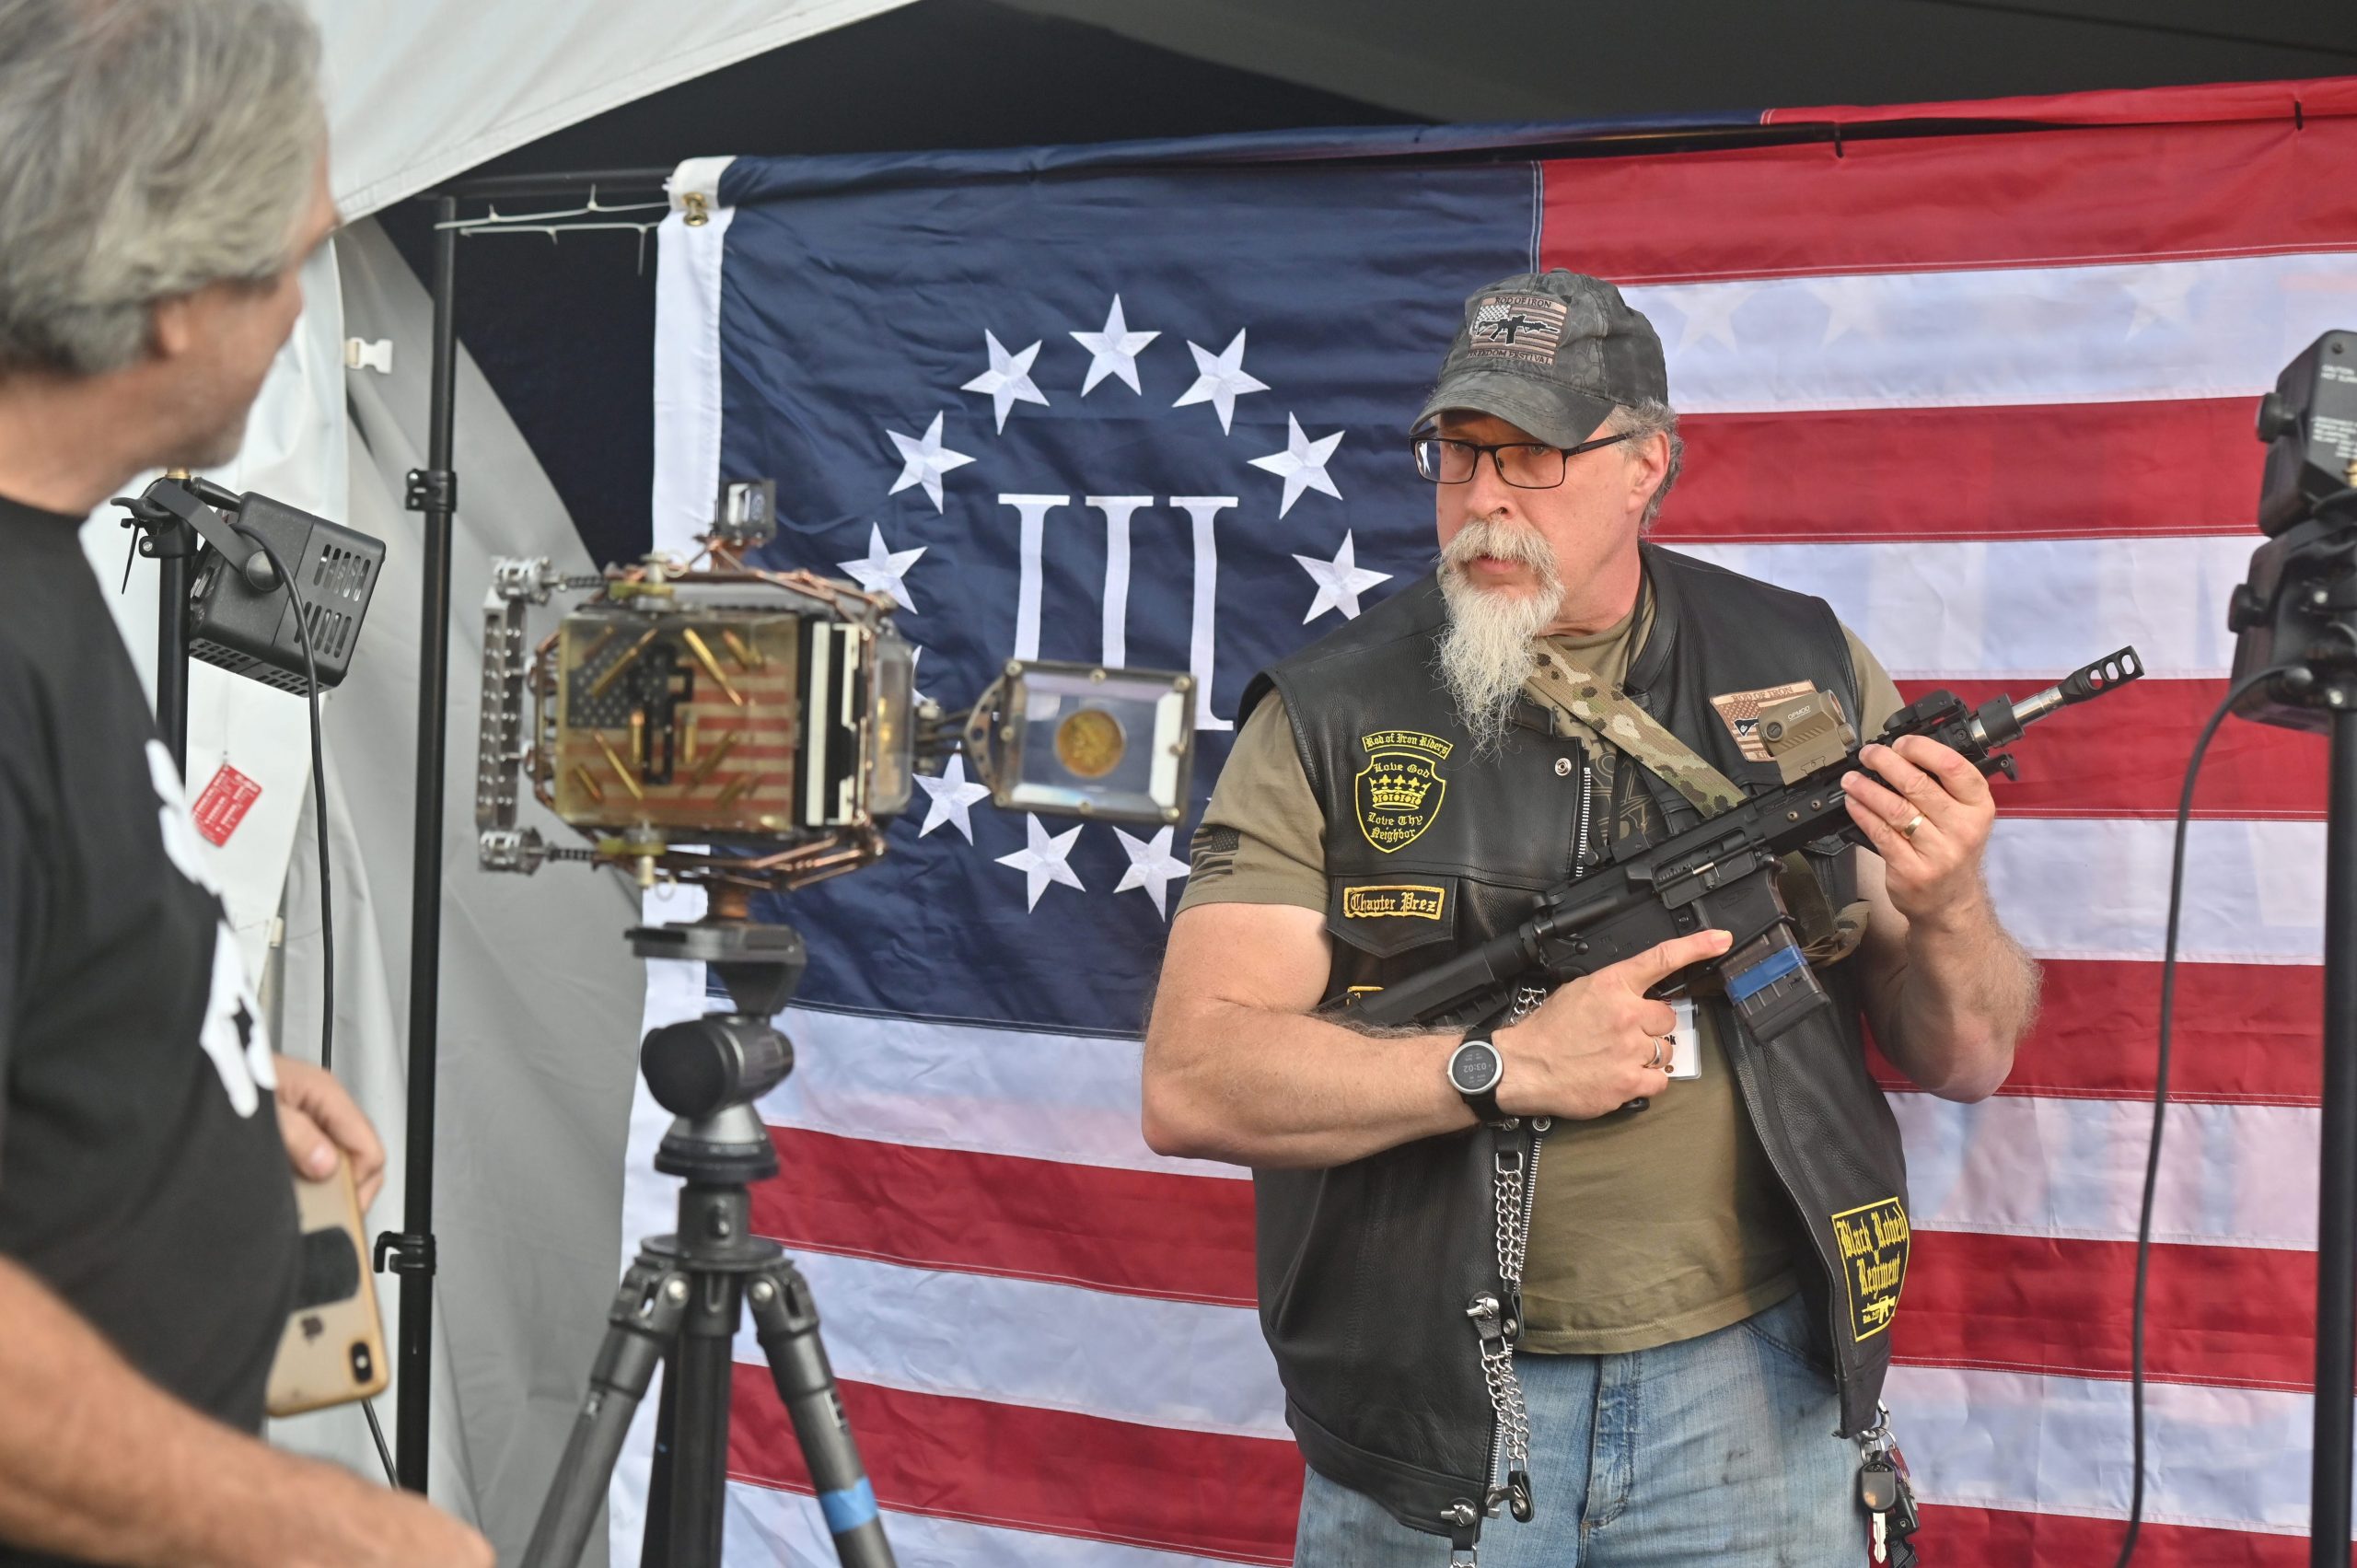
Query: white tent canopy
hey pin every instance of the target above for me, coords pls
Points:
(418, 93)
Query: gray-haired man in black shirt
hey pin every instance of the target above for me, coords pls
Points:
(163, 180)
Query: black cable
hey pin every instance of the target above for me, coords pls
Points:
(2160, 1104)
(327, 902)
(319, 803)
(384, 1455)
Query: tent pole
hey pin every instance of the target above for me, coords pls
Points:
(433, 491)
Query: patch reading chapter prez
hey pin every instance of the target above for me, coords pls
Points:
(1741, 711)
(1394, 901)
(1873, 1240)
(1518, 326)
(1399, 790)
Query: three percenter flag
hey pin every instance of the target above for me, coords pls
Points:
(1988, 393)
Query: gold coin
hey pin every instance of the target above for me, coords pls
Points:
(1090, 743)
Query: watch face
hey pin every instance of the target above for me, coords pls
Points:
(1475, 1067)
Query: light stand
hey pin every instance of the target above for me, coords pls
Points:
(434, 491)
(173, 545)
(2298, 612)
(408, 1252)
(2337, 1161)
(2304, 582)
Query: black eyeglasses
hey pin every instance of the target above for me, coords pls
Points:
(1526, 465)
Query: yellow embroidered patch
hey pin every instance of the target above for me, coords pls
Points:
(1384, 902)
(1873, 1240)
(1399, 793)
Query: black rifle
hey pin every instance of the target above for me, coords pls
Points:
(1720, 873)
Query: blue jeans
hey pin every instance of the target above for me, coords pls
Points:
(1717, 1450)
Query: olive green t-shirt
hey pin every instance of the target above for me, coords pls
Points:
(1648, 1228)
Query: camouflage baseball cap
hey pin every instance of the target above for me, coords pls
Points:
(1552, 353)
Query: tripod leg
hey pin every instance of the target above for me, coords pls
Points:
(655, 1533)
(646, 1314)
(786, 1319)
(703, 1368)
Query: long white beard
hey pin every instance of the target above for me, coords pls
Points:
(1490, 647)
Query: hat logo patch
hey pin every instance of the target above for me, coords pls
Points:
(1524, 327)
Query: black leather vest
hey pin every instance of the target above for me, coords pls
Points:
(1365, 1269)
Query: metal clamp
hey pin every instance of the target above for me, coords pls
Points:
(1877, 1440)
(510, 848)
(522, 577)
(432, 490)
(410, 1253)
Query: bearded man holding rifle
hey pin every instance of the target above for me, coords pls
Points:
(1699, 1276)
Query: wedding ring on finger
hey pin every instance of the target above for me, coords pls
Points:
(1907, 829)
(1655, 1059)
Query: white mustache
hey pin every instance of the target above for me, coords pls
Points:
(1500, 541)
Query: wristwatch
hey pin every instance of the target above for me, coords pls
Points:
(1475, 1070)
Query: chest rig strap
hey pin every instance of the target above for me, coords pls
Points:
(1604, 711)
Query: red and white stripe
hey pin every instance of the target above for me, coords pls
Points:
(1989, 395)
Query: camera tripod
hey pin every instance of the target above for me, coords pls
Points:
(680, 1301)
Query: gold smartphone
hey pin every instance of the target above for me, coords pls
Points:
(333, 1348)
